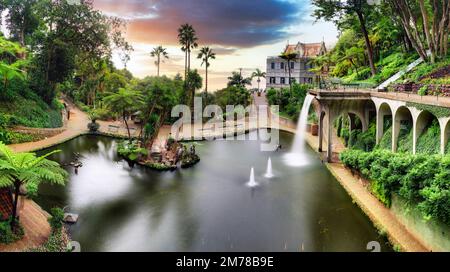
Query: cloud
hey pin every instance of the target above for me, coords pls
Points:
(229, 23)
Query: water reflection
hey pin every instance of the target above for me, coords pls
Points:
(208, 207)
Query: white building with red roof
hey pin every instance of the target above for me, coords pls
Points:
(277, 72)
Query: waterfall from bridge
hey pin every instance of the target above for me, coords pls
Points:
(297, 156)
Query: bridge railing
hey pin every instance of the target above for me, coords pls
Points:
(338, 85)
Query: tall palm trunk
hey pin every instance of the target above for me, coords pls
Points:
(206, 79)
(159, 62)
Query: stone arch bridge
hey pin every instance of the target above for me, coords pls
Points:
(366, 105)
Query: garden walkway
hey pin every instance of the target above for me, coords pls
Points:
(37, 229)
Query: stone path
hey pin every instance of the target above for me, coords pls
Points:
(77, 125)
(37, 229)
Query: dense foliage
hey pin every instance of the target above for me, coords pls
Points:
(289, 105)
(131, 150)
(7, 236)
(56, 219)
(57, 242)
(232, 95)
(421, 179)
(380, 38)
(429, 141)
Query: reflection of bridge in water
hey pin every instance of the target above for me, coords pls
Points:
(399, 108)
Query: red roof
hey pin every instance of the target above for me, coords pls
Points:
(6, 203)
(306, 49)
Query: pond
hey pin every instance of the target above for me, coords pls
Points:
(207, 207)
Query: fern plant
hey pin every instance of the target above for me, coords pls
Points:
(27, 169)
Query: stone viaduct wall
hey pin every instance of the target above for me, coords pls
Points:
(366, 105)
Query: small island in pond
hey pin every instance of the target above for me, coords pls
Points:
(168, 157)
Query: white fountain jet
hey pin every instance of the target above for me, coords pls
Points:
(269, 173)
(252, 183)
(297, 156)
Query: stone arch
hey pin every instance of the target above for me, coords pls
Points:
(402, 124)
(445, 133)
(423, 121)
(370, 112)
(384, 112)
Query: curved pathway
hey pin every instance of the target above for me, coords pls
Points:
(76, 125)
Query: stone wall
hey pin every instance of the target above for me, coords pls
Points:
(436, 235)
(40, 132)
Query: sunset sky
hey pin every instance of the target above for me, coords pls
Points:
(241, 32)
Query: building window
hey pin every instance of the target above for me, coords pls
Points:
(272, 80)
(292, 80)
(282, 80)
(282, 66)
(292, 65)
(272, 65)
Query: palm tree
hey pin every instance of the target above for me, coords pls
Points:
(206, 54)
(193, 83)
(320, 65)
(124, 102)
(159, 52)
(258, 74)
(237, 80)
(17, 169)
(187, 37)
(289, 56)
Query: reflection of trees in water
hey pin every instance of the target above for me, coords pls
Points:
(98, 223)
(163, 192)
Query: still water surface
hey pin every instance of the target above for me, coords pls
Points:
(207, 207)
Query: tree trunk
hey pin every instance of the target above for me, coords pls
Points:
(206, 81)
(16, 201)
(126, 124)
(403, 10)
(430, 42)
(157, 127)
(158, 63)
(368, 43)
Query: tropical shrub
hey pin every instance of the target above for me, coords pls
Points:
(289, 104)
(420, 179)
(131, 150)
(57, 242)
(423, 90)
(56, 219)
(7, 236)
